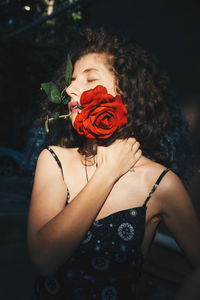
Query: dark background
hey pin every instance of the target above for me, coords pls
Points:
(168, 29)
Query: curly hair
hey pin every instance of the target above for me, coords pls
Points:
(153, 118)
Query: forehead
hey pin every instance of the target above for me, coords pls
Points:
(97, 61)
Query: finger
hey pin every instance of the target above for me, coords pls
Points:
(135, 146)
(138, 154)
(131, 141)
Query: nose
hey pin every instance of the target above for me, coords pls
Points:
(72, 91)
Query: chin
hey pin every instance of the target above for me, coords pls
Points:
(73, 117)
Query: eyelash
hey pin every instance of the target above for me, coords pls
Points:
(91, 80)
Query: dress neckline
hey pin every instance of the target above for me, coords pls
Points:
(120, 211)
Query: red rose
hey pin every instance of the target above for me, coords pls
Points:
(102, 114)
(99, 92)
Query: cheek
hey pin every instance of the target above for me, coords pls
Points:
(112, 90)
(111, 87)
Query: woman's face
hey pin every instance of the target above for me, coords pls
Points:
(89, 71)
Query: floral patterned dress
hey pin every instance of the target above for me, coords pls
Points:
(108, 261)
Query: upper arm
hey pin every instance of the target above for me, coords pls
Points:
(180, 217)
(48, 195)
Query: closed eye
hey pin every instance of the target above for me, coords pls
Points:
(92, 80)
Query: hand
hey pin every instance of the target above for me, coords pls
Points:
(118, 158)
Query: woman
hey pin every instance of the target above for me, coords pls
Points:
(92, 247)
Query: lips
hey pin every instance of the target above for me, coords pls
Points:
(72, 105)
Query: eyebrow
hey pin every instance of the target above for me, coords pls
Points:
(87, 71)
(90, 69)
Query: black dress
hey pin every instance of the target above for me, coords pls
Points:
(108, 261)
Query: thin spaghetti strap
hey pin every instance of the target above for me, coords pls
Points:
(61, 169)
(155, 185)
(57, 159)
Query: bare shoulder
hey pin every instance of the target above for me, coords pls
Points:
(66, 154)
(63, 155)
(47, 166)
(150, 170)
(170, 181)
(172, 194)
(170, 190)
(171, 185)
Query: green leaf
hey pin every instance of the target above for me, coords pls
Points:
(55, 115)
(66, 100)
(52, 91)
(68, 74)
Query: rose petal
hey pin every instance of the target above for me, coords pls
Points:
(88, 96)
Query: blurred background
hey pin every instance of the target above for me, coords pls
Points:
(34, 37)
